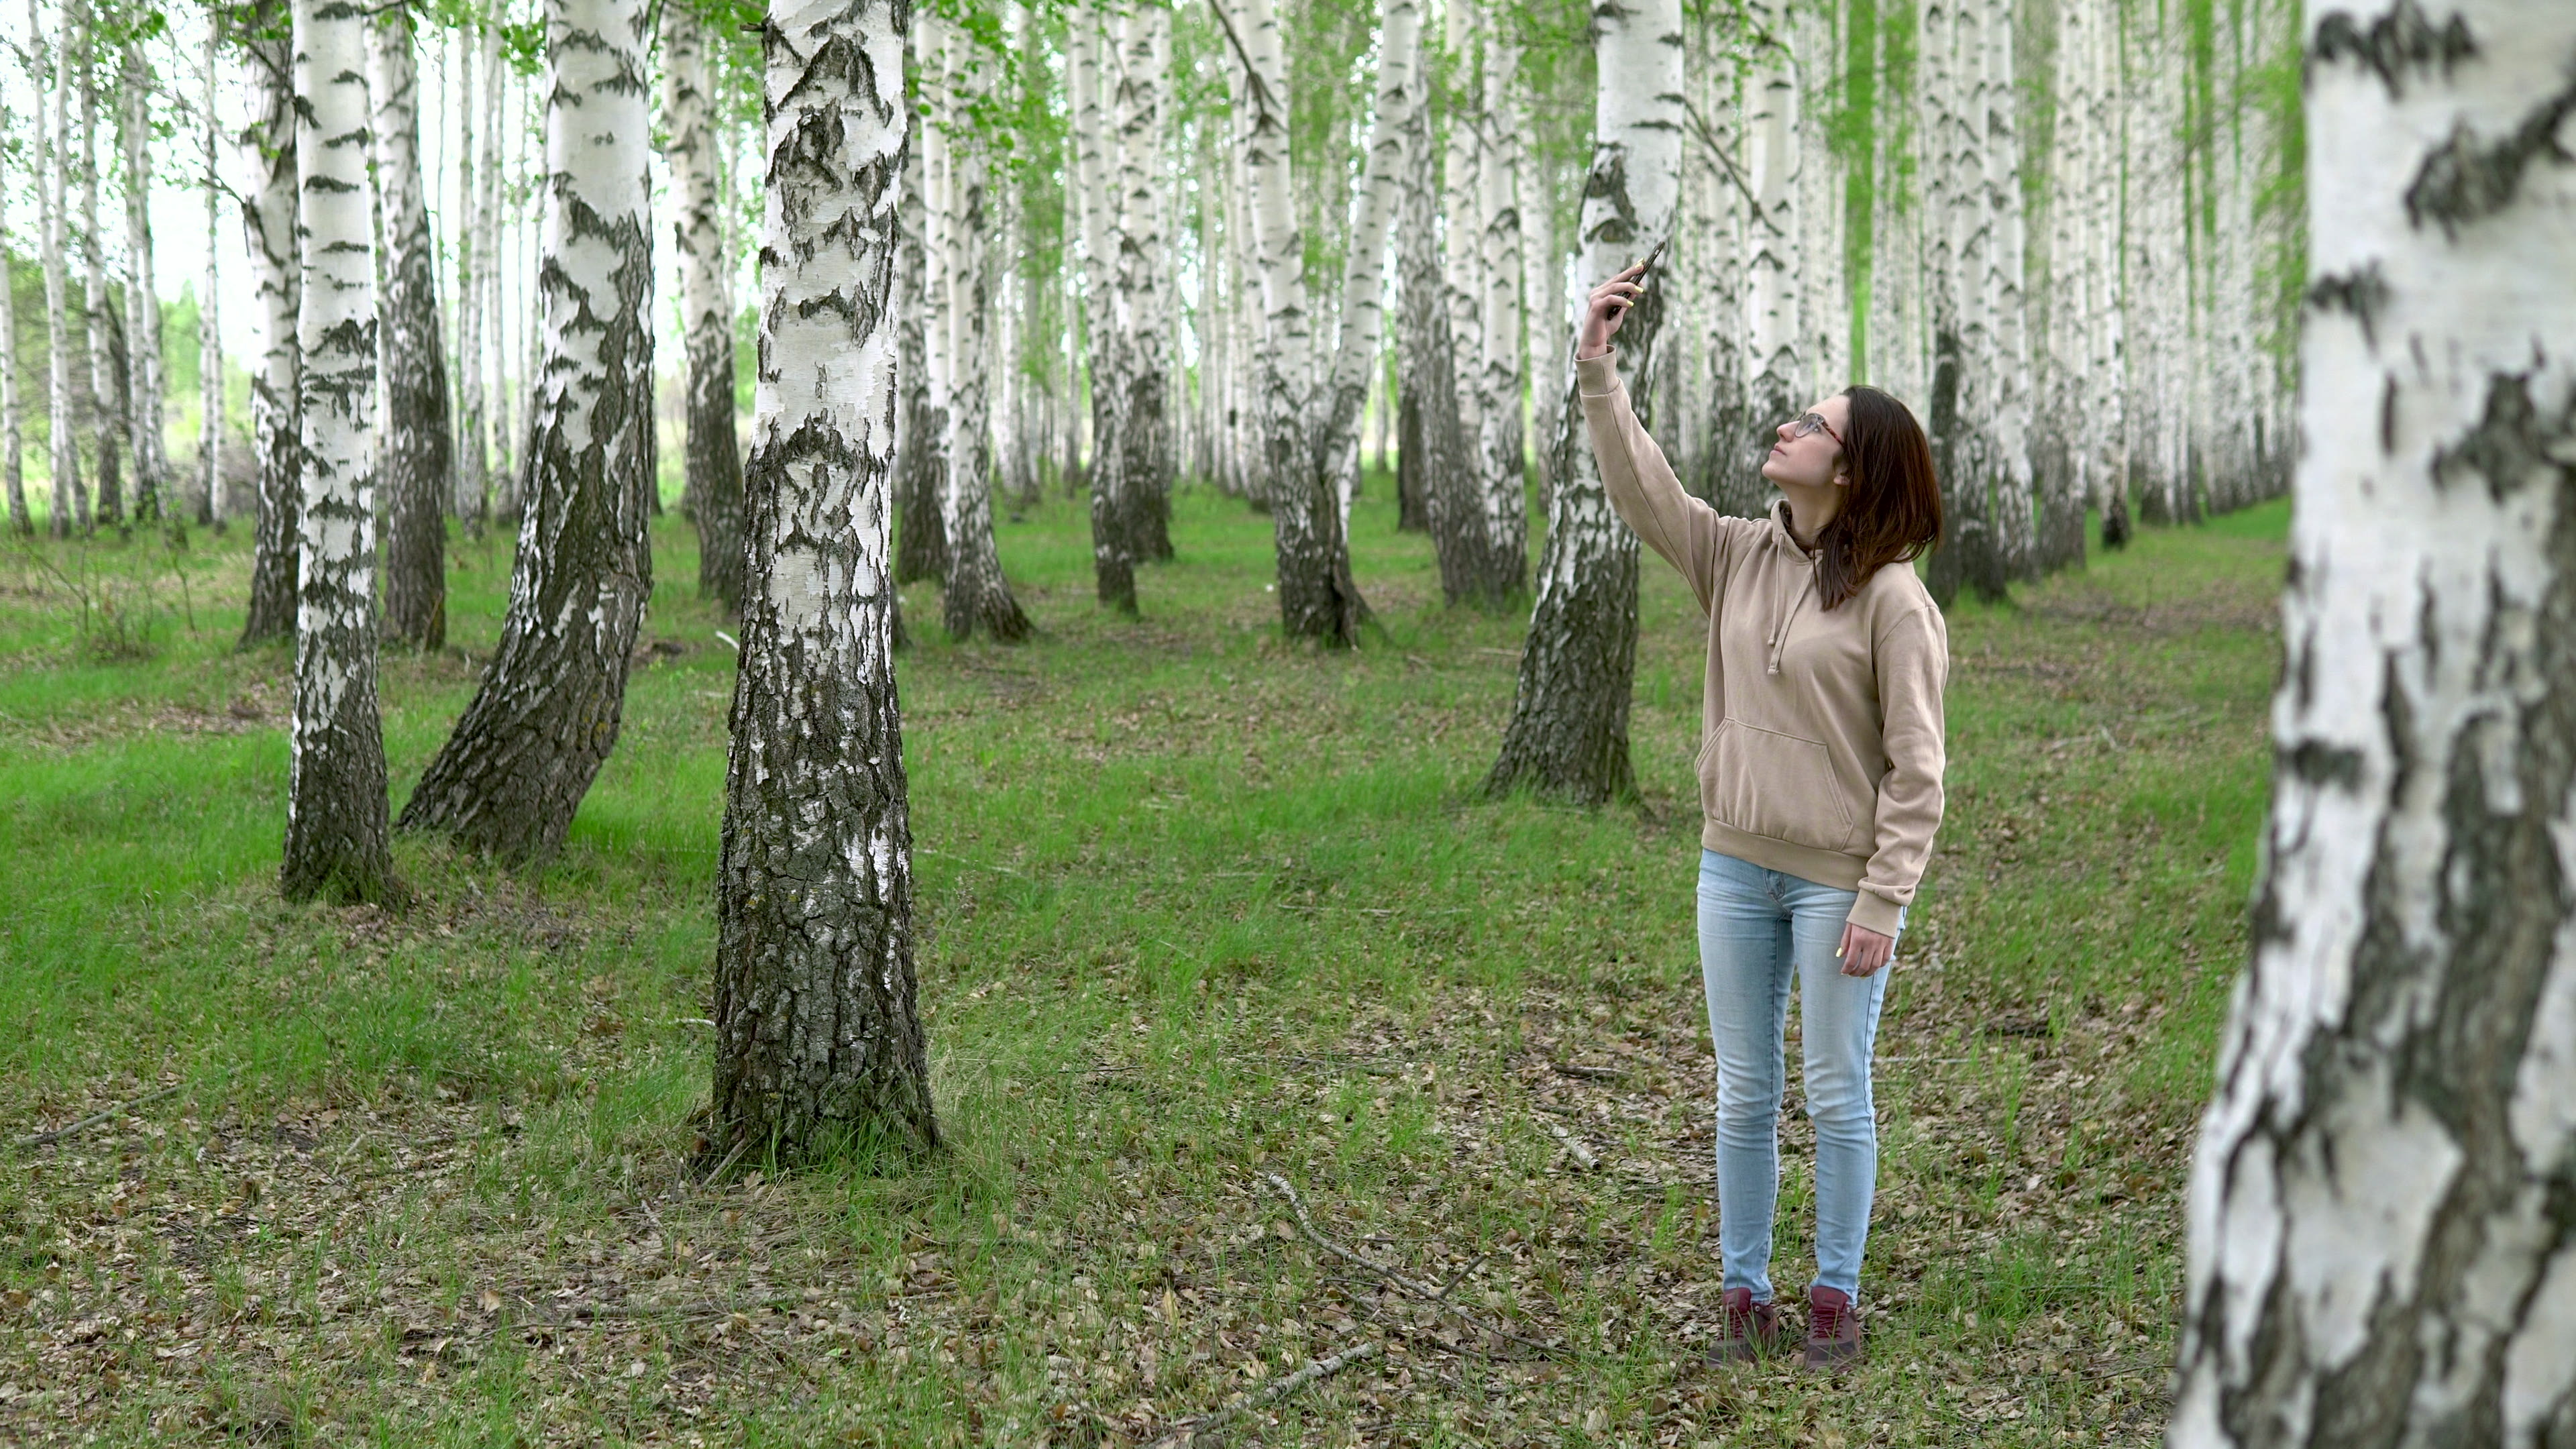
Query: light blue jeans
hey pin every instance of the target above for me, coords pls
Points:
(1757, 928)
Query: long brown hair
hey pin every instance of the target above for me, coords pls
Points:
(1893, 511)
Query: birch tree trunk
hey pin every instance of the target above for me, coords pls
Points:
(210, 332)
(489, 397)
(1502, 470)
(268, 212)
(472, 471)
(1774, 386)
(1298, 440)
(69, 504)
(706, 307)
(1443, 473)
(2007, 384)
(921, 541)
(1568, 735)
(419, 451)
(1144, 293)
(1115, 549)
(974, 597)
(1462, 234)
(142, 298)
(12, 431)
(335, 804)
(819, 1045)
(98, 323)
(2381, 1244)
(509, 779)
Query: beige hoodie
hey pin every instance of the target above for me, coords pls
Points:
(1821, 736)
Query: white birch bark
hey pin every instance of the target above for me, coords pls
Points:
(210, 332)
(1143, 290)
(975, 596)
(107, 426)
(489, 397)
(819, 1044)
(417, 470)
(1774, 372)
(1317, 597)
(714, 467)
(12, 432)
(1091, 68)
(335, 810)
(473, 444)
(552, 701)
(68, 506)
(267, 149)
(2381, 1249)
(1501, 467)
(1568, 735)
(1463, 255)
(142, 298)
(2006, 391)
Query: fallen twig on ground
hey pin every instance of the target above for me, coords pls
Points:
(42, 1139)
(1582, 1155)
(1435, 1296)
(1189, 1429)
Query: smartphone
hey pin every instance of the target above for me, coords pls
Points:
(1652, 257)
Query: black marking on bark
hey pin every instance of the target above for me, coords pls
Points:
(2322, 765)
(2363, 293)
(2388, 417)
(2508, 450)
(2400, 43)
(2467, 178)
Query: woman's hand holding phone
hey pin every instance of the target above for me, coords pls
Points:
(1608, 306)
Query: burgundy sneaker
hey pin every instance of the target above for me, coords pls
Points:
(1833, 1329)
(1745, 1329)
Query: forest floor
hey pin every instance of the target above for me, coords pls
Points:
(1200, 908)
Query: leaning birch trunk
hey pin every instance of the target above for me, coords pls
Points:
(419, 452)
(210, 332)
(142, 299)
(1115, 550)
(12, 430)
(818, 1042)
(335, 800)
(107, 427)
(1568, 736)
(975, 597)
(2381, 1245)
(67, 504)
(706, 307)
(268, 150)
(1317, 597)
(509, 779)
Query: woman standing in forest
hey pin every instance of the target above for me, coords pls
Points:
(1820, 787)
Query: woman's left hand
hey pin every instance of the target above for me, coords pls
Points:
(1863, 950)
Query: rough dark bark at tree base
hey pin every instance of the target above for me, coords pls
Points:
(819, 1042)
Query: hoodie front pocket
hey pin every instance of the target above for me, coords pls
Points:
(1766, 783)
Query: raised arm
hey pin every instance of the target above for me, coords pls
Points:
(1690, 535)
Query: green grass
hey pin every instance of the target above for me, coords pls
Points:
(1197, 905)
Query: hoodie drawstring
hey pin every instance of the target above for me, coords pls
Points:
(1788, 609)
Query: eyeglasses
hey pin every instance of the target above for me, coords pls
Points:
(1810, 424)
